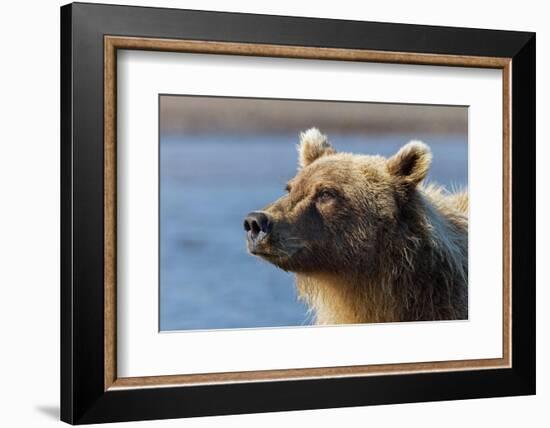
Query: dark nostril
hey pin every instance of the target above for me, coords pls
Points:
(255, 227)
(257, 222)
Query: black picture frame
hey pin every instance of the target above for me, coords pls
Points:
(83, 398)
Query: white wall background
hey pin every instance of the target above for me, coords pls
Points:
(29, 213)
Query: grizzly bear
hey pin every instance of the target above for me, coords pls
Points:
(367, 240)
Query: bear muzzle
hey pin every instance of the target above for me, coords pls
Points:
(257, 225)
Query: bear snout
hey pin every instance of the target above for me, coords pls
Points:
(257, 225)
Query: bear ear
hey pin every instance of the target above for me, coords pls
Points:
(313, 145)
(411, 163)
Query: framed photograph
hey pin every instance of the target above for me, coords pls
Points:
(266, 213)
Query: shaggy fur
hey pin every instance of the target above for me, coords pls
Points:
(367, 240)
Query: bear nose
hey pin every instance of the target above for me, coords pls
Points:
(256, 224)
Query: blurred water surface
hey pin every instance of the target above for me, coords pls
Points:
(208, 183)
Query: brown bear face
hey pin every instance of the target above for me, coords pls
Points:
(338, 208)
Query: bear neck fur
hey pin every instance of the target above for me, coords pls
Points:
(422, 275)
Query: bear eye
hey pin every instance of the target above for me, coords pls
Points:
(325, 195)
(287, 188)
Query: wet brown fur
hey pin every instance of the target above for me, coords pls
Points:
(368, 241)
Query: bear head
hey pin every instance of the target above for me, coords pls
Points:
(340, 210)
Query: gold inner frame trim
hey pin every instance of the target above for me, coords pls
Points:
(113, 43)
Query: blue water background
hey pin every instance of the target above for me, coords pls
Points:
(208, 183)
